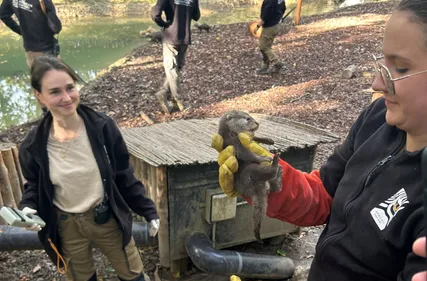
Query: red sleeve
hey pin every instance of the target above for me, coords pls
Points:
(303, 199)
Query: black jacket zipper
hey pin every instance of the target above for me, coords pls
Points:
(374, 170)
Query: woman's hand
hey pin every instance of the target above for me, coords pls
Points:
(35, 226)
(227, 160)
(154, 227)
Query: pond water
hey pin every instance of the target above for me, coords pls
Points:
(91, 45)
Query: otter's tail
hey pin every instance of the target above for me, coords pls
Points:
(260, 208)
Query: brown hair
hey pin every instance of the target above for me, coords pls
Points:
(43, 64)
(419, 10)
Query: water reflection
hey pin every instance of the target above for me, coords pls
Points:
(17, 102)
(16, 105)
(87, 46)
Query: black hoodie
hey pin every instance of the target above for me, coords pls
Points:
(37, 29)
(272, 12)
(179, 13)
(377, 209)
(124, 191)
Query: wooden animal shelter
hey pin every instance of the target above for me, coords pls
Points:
(180, 172)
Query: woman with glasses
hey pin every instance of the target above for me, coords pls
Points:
(369, 192)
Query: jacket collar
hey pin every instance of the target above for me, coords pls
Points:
(94, 122)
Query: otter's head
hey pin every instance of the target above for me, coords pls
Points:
(239, 122)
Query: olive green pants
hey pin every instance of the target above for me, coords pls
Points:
(79, 233)
(266, 42)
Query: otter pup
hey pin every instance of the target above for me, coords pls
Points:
(202, 27)
(155, 36)
(253, 179)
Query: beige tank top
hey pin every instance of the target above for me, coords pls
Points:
(74, 174)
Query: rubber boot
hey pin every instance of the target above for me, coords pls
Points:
(275, 68)
(265, 65)
(263, 70)
(178, 103)
(162, 100)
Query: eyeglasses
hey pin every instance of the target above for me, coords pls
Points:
(386, 75)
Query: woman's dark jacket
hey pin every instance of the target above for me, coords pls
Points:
(124, 191)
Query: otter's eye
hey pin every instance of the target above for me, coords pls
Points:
(248, 118)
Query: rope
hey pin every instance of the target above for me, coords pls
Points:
(59, 259)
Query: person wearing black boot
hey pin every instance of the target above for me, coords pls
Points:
(271, 16)
(176, 38)
(80, 182)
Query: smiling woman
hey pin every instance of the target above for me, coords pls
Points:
(54, 85)
(72, 142)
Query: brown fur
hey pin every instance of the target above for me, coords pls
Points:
(253, 179)
(155, 36)
(202, 27)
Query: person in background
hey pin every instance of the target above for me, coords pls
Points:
(271, 16)
(176, 38)
(369, 191)
(80, 182)
(38, 23)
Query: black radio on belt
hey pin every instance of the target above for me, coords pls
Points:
(101, 213)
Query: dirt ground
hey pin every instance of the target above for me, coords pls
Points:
(220, 75)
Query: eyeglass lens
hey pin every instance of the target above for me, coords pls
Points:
(385, 76)
(387, 80)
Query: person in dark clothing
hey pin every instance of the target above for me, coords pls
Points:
(80, 181)
(176, 38)
(271, 16)
(38, 23)
(369, 191)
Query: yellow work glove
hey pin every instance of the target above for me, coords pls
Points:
(227, 160)
(235, 278)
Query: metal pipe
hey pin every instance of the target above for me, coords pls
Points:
(225, 262)
(17, 238)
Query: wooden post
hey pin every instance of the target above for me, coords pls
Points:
(11, 179)
(162, 209)
(1, 199)
(7, 153)
(18, 168)
(298, 12)
(5, 185)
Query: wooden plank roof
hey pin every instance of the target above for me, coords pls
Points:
(185, 142)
